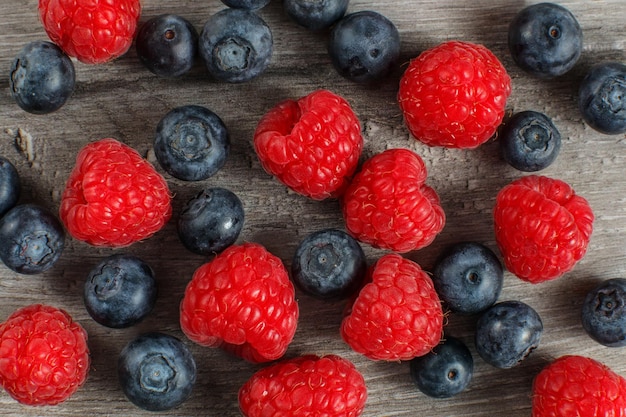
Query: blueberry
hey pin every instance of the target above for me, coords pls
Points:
(246, 4)
(156, 371)
(602, 98)
(211, 221)
(167, 45)
(545, 40)
(444, 372)
(364, 46)
(236, 45)
(507, 333)
(31, 239)
(42, 78)
(604, 313)
(191, 143)
(529, 141)
(120, 291)
(468, 277)
(315, 15)
(10, 186)
(329, 264)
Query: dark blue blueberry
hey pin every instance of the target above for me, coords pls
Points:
(167, 45)
(529, 141)
(468, 277)
(364, 46)
(507, 333)
(191, 143)
(545, 40)
(246, 4)
(42, 78)
(10, 186)
(329, 264)
(444, 372)
(120, 291)
(31, 239)
(156, 371)
(602, 98)
(211, 221)
(236, 45)
(315, 15)
(604, 313)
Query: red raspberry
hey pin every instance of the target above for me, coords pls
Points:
(454, 95)
(542, 227)
(243, 302)
(113, 196)
(307, 386)
(94, 31)
(44, 356)
(397, 315)
(311, 145)
(388, 205)
(574, 386)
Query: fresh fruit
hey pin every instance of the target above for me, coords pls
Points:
(312, 145)
(246, 4)
(10, 185)
(94, 32)
(243, 302)
(542, 227)
(397, 315)
(454, 95)
(574, 385)
(113, 196)
(507, 332)
(545, 40)
(191, 143)
(602, 98)
(45, 357)
(120, 291)
(604, 313)
(364, 46)
(305, 386)
(389, 206)
(315, 15)
(157, 372)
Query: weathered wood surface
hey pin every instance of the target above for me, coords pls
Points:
(125, 101)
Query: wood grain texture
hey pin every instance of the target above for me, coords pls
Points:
(125, 101)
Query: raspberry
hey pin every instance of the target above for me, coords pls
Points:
(574, 386)
(113, 196)
(243, 302)
(44, 356)
(305, 386)
(388, 205)
(93, 31)
(312, 145)
(454, 95)
(397, 315)
(542, 227)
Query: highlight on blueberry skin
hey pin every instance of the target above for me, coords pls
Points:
(315, 15)
(602, 98)
(604, 313)
(246, 4)
(10, 185)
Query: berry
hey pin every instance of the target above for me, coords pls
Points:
(211, 221)
(156, 371)
(312, 145)
(545, 40)
(602, 98)
(10, 186)
(45, 357)
(364, 46)
(31, 239)
(191, 143)
(604, 313)
(329, 264)
(529, 141)
(113, 196)
(243, 302)
(575, 385)
(315, 15)
(542, 227)
(92, 31)
(388, 204)
(167, 45)
(42, 78)
(236, 45)
(305, 386)
(246, 4)
(507, 333)
(120, 291)
(468, 277)
(397, 315)
(454, 95)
